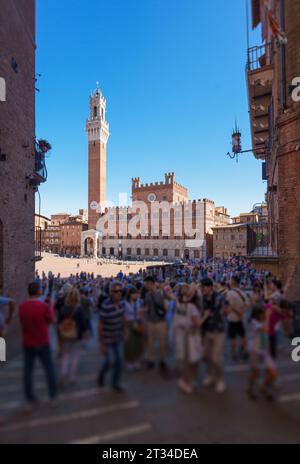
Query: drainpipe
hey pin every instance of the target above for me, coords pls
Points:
(283, 58)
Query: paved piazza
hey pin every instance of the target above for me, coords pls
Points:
(152, 410)
(103, 267)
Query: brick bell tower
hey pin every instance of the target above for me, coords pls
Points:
(97, 129)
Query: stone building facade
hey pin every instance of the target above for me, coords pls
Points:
(230, 240)
(42, 221)
(221, 216)
(246, 235)
(59, 218)
(161, 223)
(51, 239)
(51, 235)
(62, 233)
(17, 147)
(274, 103)
(70, 236)
(169, 190)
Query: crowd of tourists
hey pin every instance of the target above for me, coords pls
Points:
(171, 319)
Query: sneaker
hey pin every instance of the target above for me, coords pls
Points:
(251, 393)
(186, 388)
(277, 385)
(28, 409)
(163, 366)
(150, 364)
(220, 386)
(137, 366)
(119, 389)
(53, 404)
(208, 381)
(269, 396)
(62, 381)
(100, 382)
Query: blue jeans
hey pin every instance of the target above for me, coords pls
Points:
(44, 355)
(112, 357)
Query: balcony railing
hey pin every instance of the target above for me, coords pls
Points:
(263, 240)
(259, 56)
(38, 243)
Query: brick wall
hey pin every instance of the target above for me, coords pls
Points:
(17, 131)
(284, 160)
(288, 158)
(229, 241)
(149, 249)
(71, 237)
(97, 179)
(288, 201)
(169, 190)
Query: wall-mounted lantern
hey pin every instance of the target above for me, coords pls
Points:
(236, 141)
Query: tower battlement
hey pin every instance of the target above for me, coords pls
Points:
(169, 181)
(136, 182)
(211, 202)
(167, 190)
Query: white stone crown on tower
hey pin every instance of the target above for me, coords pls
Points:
(97, 128)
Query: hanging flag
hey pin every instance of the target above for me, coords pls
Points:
(275, 28)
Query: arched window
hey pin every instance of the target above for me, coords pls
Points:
(165, 252)
(155, 252)
(138, 252)
(88, 246)
(95, 112)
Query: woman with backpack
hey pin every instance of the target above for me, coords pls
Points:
(71, 328)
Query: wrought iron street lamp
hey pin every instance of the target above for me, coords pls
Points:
(236, 141)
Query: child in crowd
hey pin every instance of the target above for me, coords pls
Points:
(279, 312)
(260, 355)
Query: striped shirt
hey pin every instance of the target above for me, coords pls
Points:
(112, 316)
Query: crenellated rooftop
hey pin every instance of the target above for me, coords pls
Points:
(169, 181)
(123, 209)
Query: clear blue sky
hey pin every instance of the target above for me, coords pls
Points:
(173, 74)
